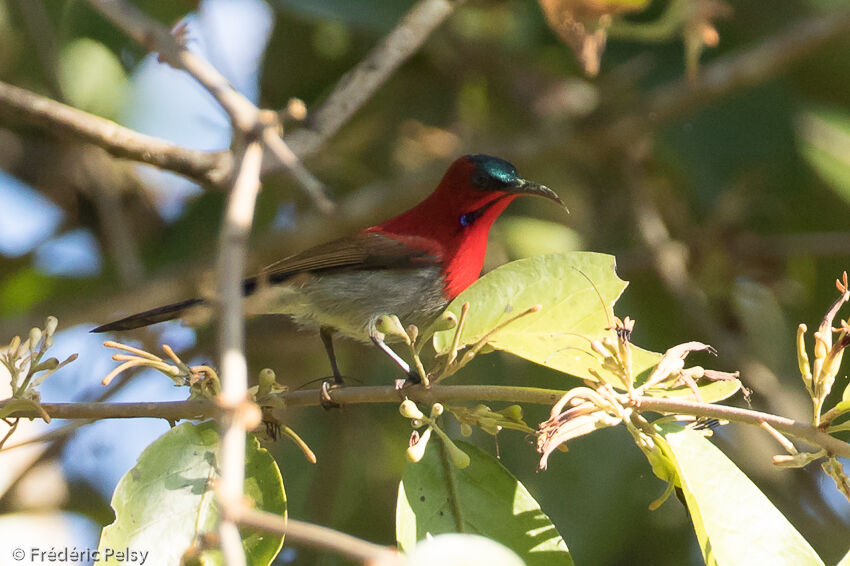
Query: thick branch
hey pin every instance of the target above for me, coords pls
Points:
(207, 168)
(443, 394)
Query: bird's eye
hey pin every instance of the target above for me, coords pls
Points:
(480, 179)
(466, 219)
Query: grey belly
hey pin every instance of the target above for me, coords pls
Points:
(351, 302)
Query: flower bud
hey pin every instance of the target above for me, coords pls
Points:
(391, 325)
(35, 337)
(459, 457)
(50, 325)
(447, 321)
(409, 410)
(436, 410)
(416, 450)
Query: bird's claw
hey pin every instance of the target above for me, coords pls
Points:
(413, 378)
(325, 399)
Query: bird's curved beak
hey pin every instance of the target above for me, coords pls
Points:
(524, 187)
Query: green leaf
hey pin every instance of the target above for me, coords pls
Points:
(712, 392)
(166, 499)
(92, 77)
(435, 497)
(735, 523)
(525, 236)
(577, 291)
(823, 136)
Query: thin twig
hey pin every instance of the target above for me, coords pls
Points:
(311, 185)
(318, 536)
(359, 84)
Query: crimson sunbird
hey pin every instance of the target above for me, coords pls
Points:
(411, 265)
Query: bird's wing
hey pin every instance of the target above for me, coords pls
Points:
(364, 250)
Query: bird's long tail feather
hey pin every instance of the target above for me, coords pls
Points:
(161, 314)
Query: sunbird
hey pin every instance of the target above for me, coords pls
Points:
(410, 266)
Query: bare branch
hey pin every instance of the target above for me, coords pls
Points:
(208, 168)
(443, 394)
(244, 115)
(318, 536)
(233, 245)
(155, 37)
(358, 85)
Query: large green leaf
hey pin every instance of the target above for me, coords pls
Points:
(166, 500)
(577, 292)
(484, 498)
(735, 523)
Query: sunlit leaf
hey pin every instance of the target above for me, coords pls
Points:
(483, 498)
(735, 523)
(824, 136)
(576, 290)
(166, 500)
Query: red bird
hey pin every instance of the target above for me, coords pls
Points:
(412, 265)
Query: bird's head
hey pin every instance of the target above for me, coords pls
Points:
(477, 188)
(457, 217)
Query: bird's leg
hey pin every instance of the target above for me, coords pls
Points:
(327, 335)
(413, 376)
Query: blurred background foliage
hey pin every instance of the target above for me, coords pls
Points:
(727, 212)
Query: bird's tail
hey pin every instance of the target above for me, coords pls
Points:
(161, 314)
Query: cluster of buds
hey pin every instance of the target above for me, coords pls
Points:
(490, 421)
(419, 441)
(616, 353)
(819, 375)
(25, 361)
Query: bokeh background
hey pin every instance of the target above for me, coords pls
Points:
(725, 200)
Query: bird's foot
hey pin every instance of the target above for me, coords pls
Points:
(413, 378)
(329, 385)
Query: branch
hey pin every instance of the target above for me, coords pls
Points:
(244, 115)
(233, 246)
(155, 37)
(318, 536)
(442, 394)
(801, 430)
(210, 169)
(733, 72)
(359, 84)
